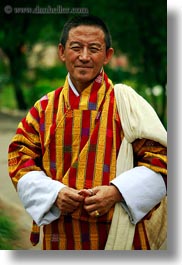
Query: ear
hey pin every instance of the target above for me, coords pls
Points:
(109, 54)
(61, 52)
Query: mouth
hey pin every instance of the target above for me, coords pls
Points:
(83, 66)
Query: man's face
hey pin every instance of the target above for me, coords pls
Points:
(84, 54)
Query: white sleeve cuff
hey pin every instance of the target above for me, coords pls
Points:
(142, 189)
(38, 193)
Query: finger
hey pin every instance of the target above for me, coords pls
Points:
(72, 194)
(85, 193)
(89, 201)
(68, 207)
(68, 200)
(95, 214)
(90, 207)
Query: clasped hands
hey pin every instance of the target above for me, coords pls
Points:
(96, 201)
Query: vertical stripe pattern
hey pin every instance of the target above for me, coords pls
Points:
(84, 131)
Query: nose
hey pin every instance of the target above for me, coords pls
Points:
(84, 55)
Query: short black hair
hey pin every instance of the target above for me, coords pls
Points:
(88, 20)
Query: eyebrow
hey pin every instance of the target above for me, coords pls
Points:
(90, 44)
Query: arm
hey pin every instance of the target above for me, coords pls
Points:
(38, 193)
(139, 122)
(143, 187)
(36, 190)
(43, 198)
(25, 150)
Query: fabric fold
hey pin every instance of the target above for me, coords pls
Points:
(132, 110)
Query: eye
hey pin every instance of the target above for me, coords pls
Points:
(94, 49)
(76, 48)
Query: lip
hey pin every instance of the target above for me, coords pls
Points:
(83, 66)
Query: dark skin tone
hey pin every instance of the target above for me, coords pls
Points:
(102, 199)
(84, 56)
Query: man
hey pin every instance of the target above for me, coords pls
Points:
(72, 144)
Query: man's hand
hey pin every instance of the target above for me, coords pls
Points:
(103, 198)
(68, 200)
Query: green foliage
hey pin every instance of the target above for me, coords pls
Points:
(138, 30)
(45, 80)
(8, 233)
(7, 97)
(41, 88)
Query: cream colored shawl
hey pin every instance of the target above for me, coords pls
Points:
(139, 120)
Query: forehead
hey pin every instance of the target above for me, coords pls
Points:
(86, 34)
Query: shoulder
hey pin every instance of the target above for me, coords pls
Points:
(49, 98)
(122, 88)
(125, 94)
(51, 95)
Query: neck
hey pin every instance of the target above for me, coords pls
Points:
(80, 86)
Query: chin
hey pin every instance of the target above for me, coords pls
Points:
(84, 78)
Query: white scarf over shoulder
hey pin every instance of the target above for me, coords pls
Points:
(139, 120)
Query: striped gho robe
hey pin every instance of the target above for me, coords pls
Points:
(75, 140)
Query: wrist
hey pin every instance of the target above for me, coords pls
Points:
(117, 195)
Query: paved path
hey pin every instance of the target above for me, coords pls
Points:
(8, 195)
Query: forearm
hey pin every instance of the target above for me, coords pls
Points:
(38, 194)
(141, 189)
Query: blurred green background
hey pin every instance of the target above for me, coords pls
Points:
(29, 66)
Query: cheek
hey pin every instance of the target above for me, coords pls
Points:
(99, 60)
(70, 61)
(99, 57)
(70, 57)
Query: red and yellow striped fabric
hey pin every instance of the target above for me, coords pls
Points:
(76, 140)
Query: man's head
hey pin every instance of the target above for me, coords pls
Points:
(87, 21)
(85, 47)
